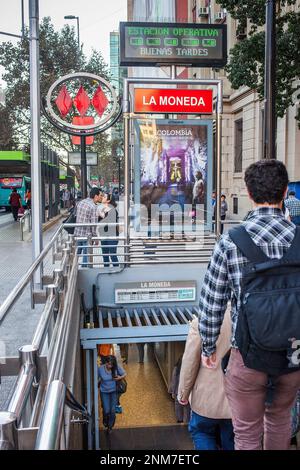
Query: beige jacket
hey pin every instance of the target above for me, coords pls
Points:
(202, 386)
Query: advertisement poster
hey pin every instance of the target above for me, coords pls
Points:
(173, 166)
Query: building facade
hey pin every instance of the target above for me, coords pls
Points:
(242, 134)
(117, 75)
(242, 141)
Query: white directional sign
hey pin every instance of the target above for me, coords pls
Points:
(75, 158)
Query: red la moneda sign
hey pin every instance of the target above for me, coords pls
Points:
(176, 101)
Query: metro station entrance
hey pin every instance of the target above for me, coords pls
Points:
(159, 329)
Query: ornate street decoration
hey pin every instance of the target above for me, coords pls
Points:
(82, 104)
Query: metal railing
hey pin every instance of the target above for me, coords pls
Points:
(26, 217)
(44, 361)
(38, 400)
(28, 277)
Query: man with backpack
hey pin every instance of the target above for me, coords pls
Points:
(257, 267)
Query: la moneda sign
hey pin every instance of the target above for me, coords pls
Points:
(176, 101)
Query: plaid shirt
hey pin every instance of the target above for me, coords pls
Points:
(86, 213)
(273, 234)
(293, 205)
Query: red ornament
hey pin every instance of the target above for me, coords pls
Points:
(82, 101)
(63, 101)
(100, 101)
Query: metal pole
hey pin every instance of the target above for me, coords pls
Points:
(49, 433)
(119, 169)
(126, 114)
(8, 431)
(23, 22)
(219, 109)
(270, 82)
(37, 241)
(83, 178)
(77, 18)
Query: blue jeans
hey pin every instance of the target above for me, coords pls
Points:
(204, 431)
(109, 403)
(84, 252)
(110, 252)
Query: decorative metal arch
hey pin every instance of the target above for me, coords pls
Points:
(101, 125)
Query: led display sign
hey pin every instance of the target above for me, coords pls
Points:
(148, 44)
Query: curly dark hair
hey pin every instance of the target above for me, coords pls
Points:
(267, 181)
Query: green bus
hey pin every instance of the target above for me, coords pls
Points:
(14, 174)
(8, 183)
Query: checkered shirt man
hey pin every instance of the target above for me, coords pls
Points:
(86, 213)
(274, 235)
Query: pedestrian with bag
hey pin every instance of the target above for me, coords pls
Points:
(109, 375)
(204, 389)
(257, 266)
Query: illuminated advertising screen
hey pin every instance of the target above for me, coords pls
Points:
(173, 165)
(11, 183)
(147, 44)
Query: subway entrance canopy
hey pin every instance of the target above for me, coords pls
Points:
(149, 44)
(139, 325)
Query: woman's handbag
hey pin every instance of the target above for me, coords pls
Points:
(121, 386)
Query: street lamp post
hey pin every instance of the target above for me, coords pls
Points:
(35, 150)
(72, 17)
(270, 82)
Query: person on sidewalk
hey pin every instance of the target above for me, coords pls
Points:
(86, 213)
(261, 408)
(293, 206)
(224, 209)
(109, 215)
(204, 388)
(15, 203)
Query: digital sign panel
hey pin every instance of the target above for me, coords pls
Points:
(164, 101)
(169, 155)
(148, 44)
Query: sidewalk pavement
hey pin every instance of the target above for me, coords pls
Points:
(18, 327)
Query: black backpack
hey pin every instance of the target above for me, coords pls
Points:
(269, 316)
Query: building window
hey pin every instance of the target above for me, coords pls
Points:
(238, 147)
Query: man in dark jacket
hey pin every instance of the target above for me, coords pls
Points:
(15, 203)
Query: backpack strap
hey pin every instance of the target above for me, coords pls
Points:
(246, 245)
(293, 252)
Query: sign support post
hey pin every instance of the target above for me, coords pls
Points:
(37, 241)
(83, 174)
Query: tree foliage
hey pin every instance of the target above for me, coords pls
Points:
(246, 61)
(59, 55)
(7, 141)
